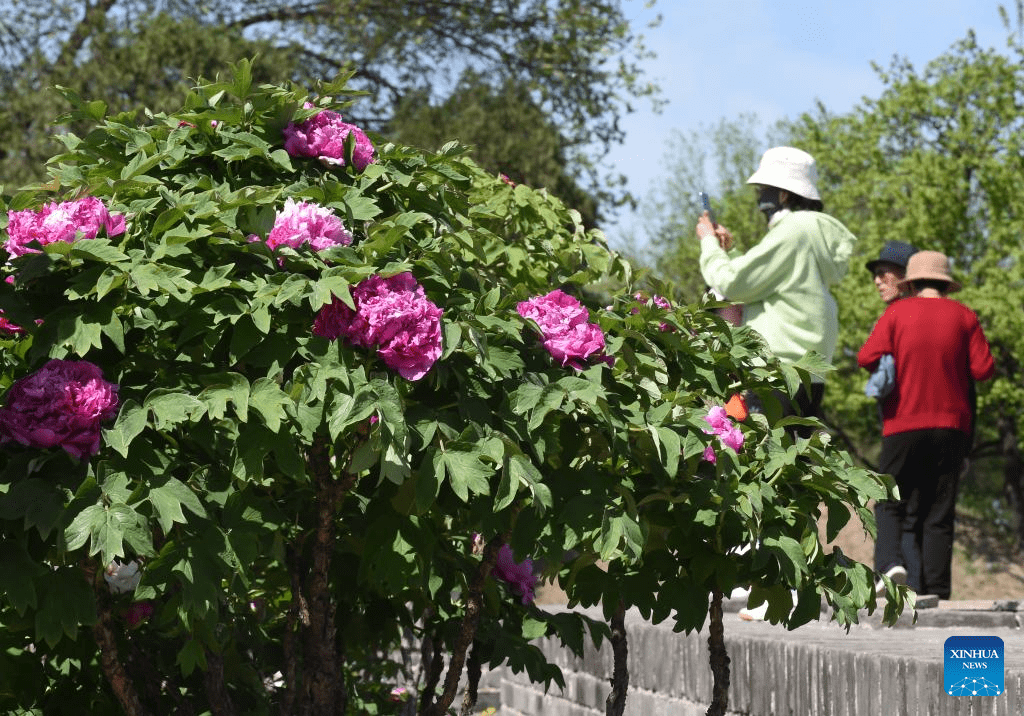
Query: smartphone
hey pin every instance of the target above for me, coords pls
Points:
(705, 204)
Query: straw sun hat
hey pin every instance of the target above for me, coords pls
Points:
(929, 265)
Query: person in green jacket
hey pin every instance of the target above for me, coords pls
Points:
(783, 282)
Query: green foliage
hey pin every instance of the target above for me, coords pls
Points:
(291, 545)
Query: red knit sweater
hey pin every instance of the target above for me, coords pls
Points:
(938, 346)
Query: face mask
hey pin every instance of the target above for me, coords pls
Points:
(768, 201)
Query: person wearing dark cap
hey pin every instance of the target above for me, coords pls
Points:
(938, 347)
(889, 268)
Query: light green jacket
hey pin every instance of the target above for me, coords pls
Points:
(783, 282)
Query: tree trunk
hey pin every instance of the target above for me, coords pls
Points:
(116, 675)
(615, 704)
(467, 631)
(718, 658)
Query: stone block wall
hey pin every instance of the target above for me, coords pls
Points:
(816, 670)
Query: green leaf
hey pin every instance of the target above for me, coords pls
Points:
(38, 502)
(224, 388)
(81, 528)
(97, 250)
(269, 401)
(67, 602)
(131, 421)
(172, 408)
(191, 657)
(466, 473)
(534, 628)
(18, 573)
(790, 554)
(168, 500)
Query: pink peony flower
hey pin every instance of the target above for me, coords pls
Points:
(728, 434)
(81, 218)
(61, 404)
(8, 327)
(323, 135)
(563, 322)
(709, 455)
(392, 314)
(579, 342)
(718, 419)
(137, 612)
(519, 575)
(301, 222)
(399, 694)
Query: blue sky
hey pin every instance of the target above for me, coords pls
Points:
(721, 58)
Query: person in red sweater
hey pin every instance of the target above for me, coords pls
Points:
(938, 347)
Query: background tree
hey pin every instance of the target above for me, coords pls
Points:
(507, 133)
(716, 159)
(578, 59)
(154, 63)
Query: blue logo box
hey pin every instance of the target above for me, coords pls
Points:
(973, 666)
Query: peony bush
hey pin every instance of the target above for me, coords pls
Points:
(244, 476)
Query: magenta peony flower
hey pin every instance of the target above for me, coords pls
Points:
(60, 405)
(301, 222)
(579, 342)
(519, 575)
(718, 419)
(137, 612)
(392, 314)
(323, 135)
(568, 336)
(728, 434)
(709, 455)
(8, 327)
(81, 218)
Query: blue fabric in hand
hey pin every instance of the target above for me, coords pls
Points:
(883, 380)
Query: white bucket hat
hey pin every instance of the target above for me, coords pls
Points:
(790, 169)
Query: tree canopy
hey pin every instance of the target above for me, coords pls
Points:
(577, 59)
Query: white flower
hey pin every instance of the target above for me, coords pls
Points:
(123, 577)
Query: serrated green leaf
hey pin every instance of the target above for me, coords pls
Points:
(168, 500)
(466, 474)
(267, 399)
(131, 421)
(172, 408)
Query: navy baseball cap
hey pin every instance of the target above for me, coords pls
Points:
(894, 252)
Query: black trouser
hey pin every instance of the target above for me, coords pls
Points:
(916, 531)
